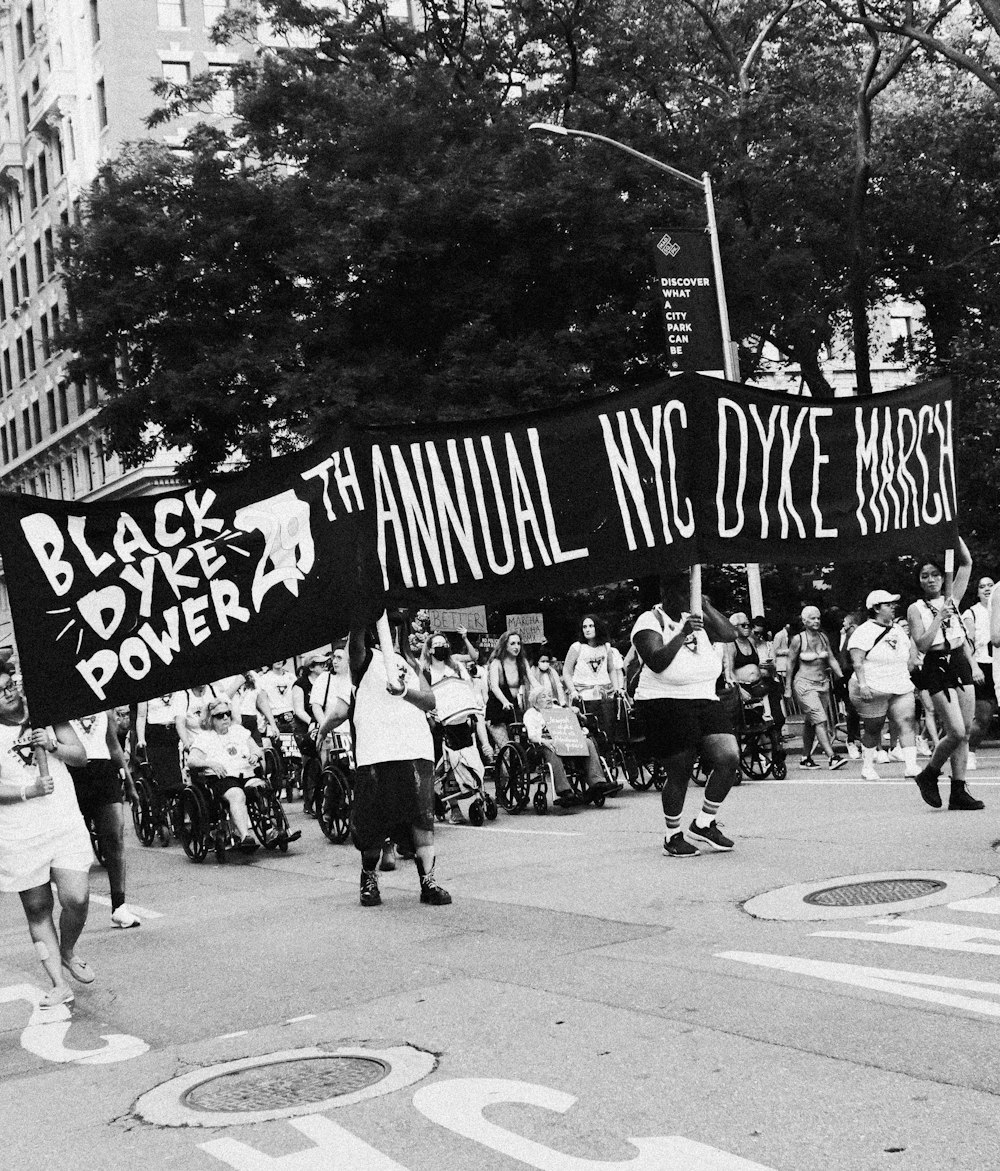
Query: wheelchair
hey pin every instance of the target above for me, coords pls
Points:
(154, 813)
(334, 791)
(459, 792)
(205, 824)
(283, 764)
(95, 843)
(518, 766)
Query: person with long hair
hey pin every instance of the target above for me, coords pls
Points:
(593, 667)
(455, 698)
(43, 838)
(682, 714)
(545, 678)
(508, 680)
(977, 627)
(394, 754)
(811, 664)
(948, 673)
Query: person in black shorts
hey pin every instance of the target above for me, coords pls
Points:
(682, 715)
(99, 794)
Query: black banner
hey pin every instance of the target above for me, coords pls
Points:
(117, 602)
(688, 302)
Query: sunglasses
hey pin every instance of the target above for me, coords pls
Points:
(222, 715)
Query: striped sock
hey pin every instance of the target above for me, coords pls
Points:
(673, 824)
(707, 815)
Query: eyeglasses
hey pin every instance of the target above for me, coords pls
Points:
(222, 715)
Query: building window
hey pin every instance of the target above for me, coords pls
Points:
(15, 296)
(213, 10)
(3, 302)
(43, 321)
(39, 263)
(50, 402)
(19, 38)
(70, 477)
(4, 449)
(95, 22)
(29, 24)
(223, 100)
(21, 372)
(32, 188)
(57, 150)
(50, 251)
(36, 420)
(176, 72)
(102, 104)
(25, 286)
(171, 14)
(26, 426)
(25, 111)
(55, 327)
(81, 401)
(91, 390)
(29, 346)
(63, 405)
(88, 467)
(8, 377)
(43, 176)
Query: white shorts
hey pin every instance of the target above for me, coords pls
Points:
(25, 865)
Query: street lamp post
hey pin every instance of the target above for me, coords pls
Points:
(730, 363)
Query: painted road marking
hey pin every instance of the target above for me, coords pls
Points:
(549, 833)
(986, 782)
(45, 1033)
(229, 1036)
(978, 906)
(458, 1105)
(309, 1016)
(927, 933)
(142, 912)
(914, 985)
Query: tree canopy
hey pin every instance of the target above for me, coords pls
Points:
(379, 237)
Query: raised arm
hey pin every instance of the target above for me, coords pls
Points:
(963, 571)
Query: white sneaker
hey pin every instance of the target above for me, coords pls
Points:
(882, 757)
(853, 751)
(868, 773)
(125, 917)
(897, 754)
(971, 764)
(923, 748)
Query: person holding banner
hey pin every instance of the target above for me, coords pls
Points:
(948, 675)
(811, 664)
(394, 753)
(682, 715)
(43, 838)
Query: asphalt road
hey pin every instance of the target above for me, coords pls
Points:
(582, 991)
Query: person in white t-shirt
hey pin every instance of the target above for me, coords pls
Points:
(277, 682)
(394, 752)
(43, 839)
(977, 626)
(593, 667)
(98, 786)
(881, 683)
(677, 702)
(228, 754)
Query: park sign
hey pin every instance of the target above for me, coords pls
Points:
(119, 601)
(688, 300)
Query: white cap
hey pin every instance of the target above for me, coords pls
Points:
(877, 597)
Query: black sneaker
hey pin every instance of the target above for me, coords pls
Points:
(927, 783)
(370, 896)
(961, 798)
(431, 893)
(808, 762)
(678, 846)
(711, 835)
(837, 762)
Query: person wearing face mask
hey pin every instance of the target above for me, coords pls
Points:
(545, 678)
(977, 627)
(811, 663)
(455, 697)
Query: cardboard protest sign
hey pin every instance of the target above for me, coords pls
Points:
(472, 618)
(564, 728)
(530, 627)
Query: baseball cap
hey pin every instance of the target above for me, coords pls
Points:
(877, 597)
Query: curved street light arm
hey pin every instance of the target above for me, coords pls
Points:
(566, 132)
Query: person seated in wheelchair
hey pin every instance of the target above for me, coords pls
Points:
(594, 784)
(226, 754)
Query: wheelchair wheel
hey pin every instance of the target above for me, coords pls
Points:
(273, 772)
(266, 816)
(755, 755)
(95, 841)
(540, 801)
(334, 799)
(490, 808)
(477, 814)
(512, 780)
(193, 819)
(142, 814)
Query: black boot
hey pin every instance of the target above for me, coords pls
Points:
(961, 798)
(370, 896)
(927, 783)
(430, 892)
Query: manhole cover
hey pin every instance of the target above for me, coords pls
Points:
(868, 894)
(286, 1083)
